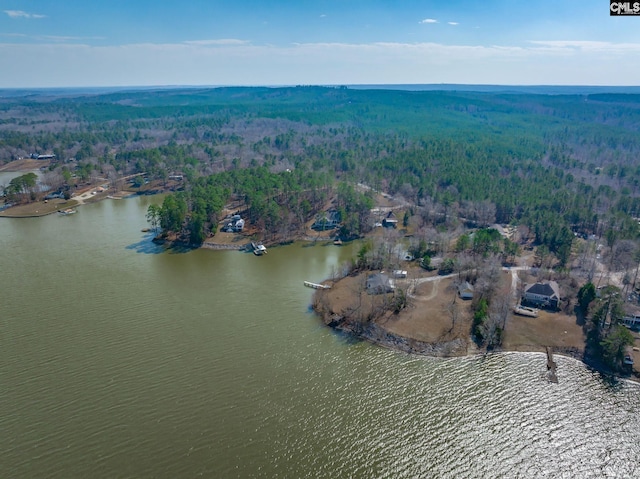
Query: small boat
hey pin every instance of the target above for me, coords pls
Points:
(526, 311)
(337, 242)
(68, 211)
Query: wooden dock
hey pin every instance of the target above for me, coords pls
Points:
(551, 366)
(309, 284)
(258, 249)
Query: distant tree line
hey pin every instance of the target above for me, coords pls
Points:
(560, 165)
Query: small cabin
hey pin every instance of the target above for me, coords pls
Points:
(390, 221)
(465, 290)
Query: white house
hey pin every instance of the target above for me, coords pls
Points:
(236, 224)
(239, 226)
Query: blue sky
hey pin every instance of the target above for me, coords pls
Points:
(278, 42)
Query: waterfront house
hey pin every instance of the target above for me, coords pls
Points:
(379, 283)
(327, 220)
(546, 294)
(390, 221)
(465, 290)
(235, 224)
(238, 223)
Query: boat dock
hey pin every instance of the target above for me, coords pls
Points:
(551, 366)
(258, 249)
(67, 212)
(309, 284)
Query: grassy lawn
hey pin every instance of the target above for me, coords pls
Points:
(39, 208)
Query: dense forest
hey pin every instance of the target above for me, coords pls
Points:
(559, 164)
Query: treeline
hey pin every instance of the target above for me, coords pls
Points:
(608, 340)
(559, 164)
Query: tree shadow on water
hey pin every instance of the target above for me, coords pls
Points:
(147, 246)
(180, 248)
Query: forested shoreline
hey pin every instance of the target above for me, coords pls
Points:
(560, 164)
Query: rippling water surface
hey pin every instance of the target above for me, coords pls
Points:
(121, 359)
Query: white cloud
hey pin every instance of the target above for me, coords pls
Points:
(428, 20)
(220, 41)
(50, 38)
(587, 46)
(570, 43)
(323, 16)
(453, 23)
(215, 63)
(61, 38)
(21, 14)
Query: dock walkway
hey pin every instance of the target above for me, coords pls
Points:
(309, 284)
(551, 366)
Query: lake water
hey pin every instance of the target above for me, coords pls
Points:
(120, 359)
(7, 176)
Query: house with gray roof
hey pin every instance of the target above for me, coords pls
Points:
(543, 294)
(327, 220)
(379, 283)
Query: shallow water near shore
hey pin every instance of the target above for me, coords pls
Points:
(120, 358)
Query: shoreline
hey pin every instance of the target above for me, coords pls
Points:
(88, 196)
(375, 332)
(372, 331)
(380, 337)
(29, 211)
